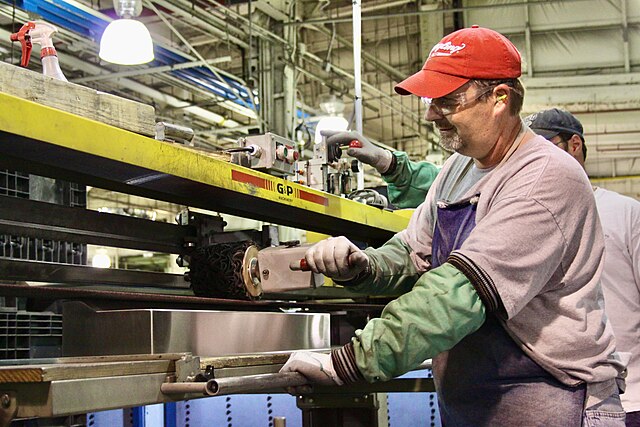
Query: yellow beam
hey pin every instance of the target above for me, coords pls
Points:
(291, 203)
(613, 178)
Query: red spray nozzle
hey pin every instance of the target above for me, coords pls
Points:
(25, 40)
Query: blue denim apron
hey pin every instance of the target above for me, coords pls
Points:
(486, 379)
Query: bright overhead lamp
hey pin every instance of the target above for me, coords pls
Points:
(333, 106)
(330, 123)
(126, 41)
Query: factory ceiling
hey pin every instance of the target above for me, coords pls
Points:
(228, 68)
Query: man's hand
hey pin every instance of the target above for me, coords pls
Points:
(336, 258)
(316, 367)
(370, 154)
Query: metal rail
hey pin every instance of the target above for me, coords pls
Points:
(48, 272)
(27, 391)
(272, 382)
(30, 218)
(155, 300)
(100, 155)
(237, 385)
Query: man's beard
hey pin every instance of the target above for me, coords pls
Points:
(451, 141)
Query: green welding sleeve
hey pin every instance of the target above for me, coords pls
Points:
(390, 272)
(439, 312)
(408, 183)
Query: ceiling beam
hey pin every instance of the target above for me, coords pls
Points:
(149, 70)
(430, 11)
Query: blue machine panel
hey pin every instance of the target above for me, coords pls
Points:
(238, 411)
(113, 418)
(414, 409)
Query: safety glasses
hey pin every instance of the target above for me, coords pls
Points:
(449, 104)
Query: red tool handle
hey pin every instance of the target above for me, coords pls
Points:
(299, 265)
(302, 265)
(355, 144)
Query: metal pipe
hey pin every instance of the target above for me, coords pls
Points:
(625, 35)
(254, 383)
(150, 70)
(267, 382)
(166, 300)
(191, 12)
(347, 11)
(357, 77)
(368, 57)
(236, 385)
(262, 382)
(357, 72)
(527, 38)
(184, 388)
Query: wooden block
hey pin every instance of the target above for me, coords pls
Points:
(73, 371)
(76, 99)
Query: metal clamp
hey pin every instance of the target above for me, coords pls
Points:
(174, 133)
(187, 368)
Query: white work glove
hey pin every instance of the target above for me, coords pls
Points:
(316, 367)
(336, 258)
(370, 154)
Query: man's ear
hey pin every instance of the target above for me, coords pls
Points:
(501, 92)
(575, 145)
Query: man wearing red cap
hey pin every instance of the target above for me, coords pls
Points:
(498, 271)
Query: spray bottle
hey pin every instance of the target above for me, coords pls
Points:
(39, 32)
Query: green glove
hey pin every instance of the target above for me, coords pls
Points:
(442, 308)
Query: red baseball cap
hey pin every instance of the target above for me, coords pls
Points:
(470, 53)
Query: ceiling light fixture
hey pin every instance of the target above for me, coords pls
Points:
(126, 41)
(333, 106)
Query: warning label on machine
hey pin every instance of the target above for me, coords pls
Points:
(282, 188)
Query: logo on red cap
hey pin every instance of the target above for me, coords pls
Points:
(446, 49)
